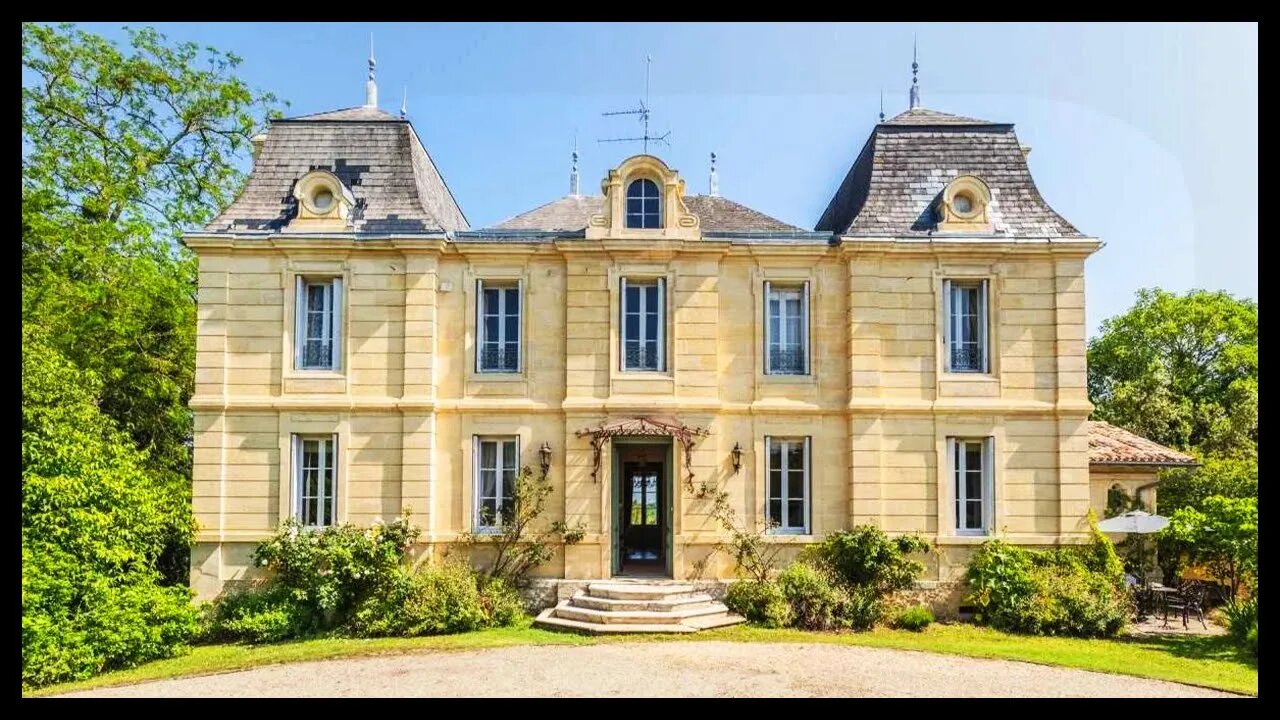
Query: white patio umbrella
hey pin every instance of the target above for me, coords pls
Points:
(1137, 522)
(1134, 521)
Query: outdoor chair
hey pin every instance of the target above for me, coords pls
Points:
(1187, 600)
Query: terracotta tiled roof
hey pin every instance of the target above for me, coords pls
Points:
(572, 212)
(1110, 445)
(895, 184)
(378, 156)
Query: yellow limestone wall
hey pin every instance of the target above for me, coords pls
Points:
(407, 403)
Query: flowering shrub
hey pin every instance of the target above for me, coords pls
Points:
(355, 580)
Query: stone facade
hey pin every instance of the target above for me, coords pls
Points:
(406, 400)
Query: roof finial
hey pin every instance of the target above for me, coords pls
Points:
(573, 176)
(915, 70)
(404, 102)
(881, 104)
(715, 179)
(371, 87)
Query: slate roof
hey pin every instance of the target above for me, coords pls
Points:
(571, 213)
(898, 178)
(1111, 445)
(377, 155)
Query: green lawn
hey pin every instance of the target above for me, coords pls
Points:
(1206, 661)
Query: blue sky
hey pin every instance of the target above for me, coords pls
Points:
(1145, 136)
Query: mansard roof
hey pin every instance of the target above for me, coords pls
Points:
(378, 156)
(896, 181)
(715, 213)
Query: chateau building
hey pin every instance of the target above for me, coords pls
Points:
(916, 361)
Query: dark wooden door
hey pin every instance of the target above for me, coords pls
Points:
(643, 515)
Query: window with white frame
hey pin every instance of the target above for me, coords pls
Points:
(496, 463)
(643, 324)
(318, 324)
(966, 330)
(315, 479)
(787, 506)
(644, 204)
(786, 339)
(971, 461)
(498, 313)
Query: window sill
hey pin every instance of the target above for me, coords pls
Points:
(496, 377)
(316, 374)
(789, 538)
(789, 379)
(951, 376)
(642, 375)
(963, 539)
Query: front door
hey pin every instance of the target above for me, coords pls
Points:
(643, 516)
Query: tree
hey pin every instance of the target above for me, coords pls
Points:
(1181, 370)
(120, 152)
(520, 542)
(94, 523)
(1223, 534)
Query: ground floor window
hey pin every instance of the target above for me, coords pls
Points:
(787, 506)
(496, 463)
(315, 479)
(971, 467)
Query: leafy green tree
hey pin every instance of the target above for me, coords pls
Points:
(1181, 370)
(1233, 477)
(1222, 533)
(94, 523)
(121, 150)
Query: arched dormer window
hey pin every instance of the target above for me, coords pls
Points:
(644, 204)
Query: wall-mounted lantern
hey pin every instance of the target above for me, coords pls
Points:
(545, 453)
(737, 457)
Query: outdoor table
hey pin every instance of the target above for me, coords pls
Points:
(1161, 593)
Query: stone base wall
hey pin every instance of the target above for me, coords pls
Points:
(943, 598)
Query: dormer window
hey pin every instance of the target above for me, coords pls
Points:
(324, 202)
(644, 204)
(963, 206)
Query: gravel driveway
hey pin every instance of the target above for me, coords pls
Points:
(682, 669)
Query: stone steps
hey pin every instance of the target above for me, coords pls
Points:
(637, 607)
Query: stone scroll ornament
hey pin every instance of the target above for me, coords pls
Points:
(663, 426)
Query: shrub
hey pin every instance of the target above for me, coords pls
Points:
(431, 601)
(502, 603)
(866, 558)
(1242, 623)
(316, 580)
(760, 602)
(94, 524)
(914, 618)
(816, 602)
(1048, 592)
(264, 616)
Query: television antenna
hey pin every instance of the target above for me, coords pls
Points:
(643, 113)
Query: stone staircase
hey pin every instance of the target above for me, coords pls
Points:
(634, 606)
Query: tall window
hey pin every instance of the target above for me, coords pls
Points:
(498, 346)
(315, 479)
(318, 324)
(496, 462)
(788, 481)
(644, 205)
(966, 330)
(971, 466)
(643, 324)
(786, 329)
